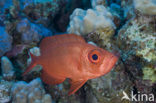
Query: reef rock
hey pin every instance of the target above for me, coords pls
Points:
(30, 93)
(5, 41)
(83, 22)
(147, 7)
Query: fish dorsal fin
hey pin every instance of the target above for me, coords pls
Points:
(75, 85)
(60, 39)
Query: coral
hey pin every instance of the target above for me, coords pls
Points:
(5, 4)
(29, 93)
(31, 32)
(138, 41)
(5, 41)
(35, 51)
(5, 87)
(94, 3)
(147, 7)
(149, 74)
(7, 68)
(40, 11)
(61, 20)
(83, 22)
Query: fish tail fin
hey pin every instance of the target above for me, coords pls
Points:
(32, 65)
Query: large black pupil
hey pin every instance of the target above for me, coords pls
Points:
(94, 57)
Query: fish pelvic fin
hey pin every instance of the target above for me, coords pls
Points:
(75, 85)
(32, 65)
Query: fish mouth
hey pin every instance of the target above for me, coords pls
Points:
(114, 59)
(112, 62)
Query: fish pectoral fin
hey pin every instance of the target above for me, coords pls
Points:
(75, 85)
(51, 80)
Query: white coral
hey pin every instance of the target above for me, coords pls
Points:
(83, 22)
(147, 7)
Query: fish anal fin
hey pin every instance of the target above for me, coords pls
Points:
(75, 85)
(51, 80)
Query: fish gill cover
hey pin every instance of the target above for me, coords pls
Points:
(125, 27)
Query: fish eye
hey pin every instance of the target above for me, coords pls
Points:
(94, 56)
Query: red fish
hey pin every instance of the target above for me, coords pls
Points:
(69, 56)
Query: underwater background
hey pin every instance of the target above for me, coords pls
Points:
(125, 26)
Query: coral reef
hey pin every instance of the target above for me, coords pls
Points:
(7, 68)
(120, 26)
(84, 22)
(5, 41)
(31, 32)
(30, 93)
(146, 7)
